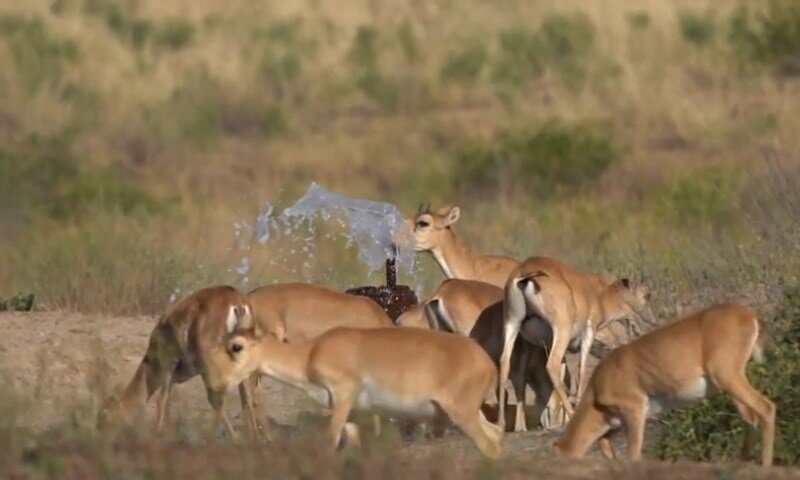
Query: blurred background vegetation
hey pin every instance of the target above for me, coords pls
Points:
(656, 139)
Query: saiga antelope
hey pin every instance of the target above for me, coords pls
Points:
(371, 369)
(563, 309)
(297, 312)
(180, 347)
(673, 365)
(474, 309)
(432, 232)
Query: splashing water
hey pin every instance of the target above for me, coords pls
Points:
(376, 229)
(287, 238)
(372, 226)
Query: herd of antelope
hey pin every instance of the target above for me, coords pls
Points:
(493, 320)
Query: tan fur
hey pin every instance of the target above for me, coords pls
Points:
(475, 308)
(556, 301)
(185, 338)
(414, 317)
(667, 367)
(432, 231)
(449, 370)
(296, 312)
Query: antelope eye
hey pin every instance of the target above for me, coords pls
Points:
(236, 348)
(423, 224)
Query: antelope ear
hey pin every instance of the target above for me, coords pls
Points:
(626, 282)
(452, 216)
(232, 321)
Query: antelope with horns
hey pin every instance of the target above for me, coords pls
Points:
(432, 232)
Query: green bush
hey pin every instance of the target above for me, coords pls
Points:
(562, 42)
(704, 196)
(769, 35)
(543, 160)
(696, 28)
(363, 51)
(713, 431)
(175, 34)
(41, 59)
(58, 188)
(408, 42)
(638, 20)
(465, 64)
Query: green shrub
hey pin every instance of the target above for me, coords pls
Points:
(713, 431)
(132, 31)
(41, 59)
(703, 196)
(408, 42)
(696, 28)
(769, 35)
(57, 187)
(363, 51)
(274, 122)
(542, 161)
(638, 20)
(465, 64)
(562, 42)
(518, 59)
(175, 34)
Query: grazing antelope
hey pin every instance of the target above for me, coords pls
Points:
(186, 337)
(432, 231)
(564, 309)
(297, 312)
(371, 369)
(669, 366)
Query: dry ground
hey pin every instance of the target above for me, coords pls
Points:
(54, 359)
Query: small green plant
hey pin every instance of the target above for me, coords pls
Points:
(704, 196)
(40, 58)
(638, 20)
(465, 64)
(274, 122)
(175, 34)
(363, 52)
(769, 35)
(408, 42)
(697, 28)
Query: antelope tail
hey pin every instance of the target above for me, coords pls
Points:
(438, 316)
